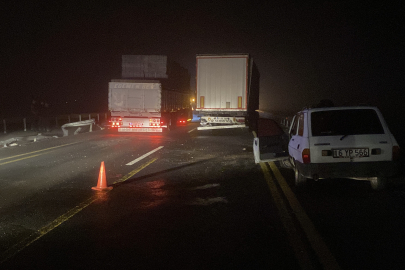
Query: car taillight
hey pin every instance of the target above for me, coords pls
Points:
(395, 152)
(306, 157)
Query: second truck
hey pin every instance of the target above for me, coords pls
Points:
(152, 96)
(227, 90)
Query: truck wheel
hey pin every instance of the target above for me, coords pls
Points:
(378, 183)
(300, 180)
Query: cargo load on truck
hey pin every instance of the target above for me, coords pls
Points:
(152, 96)
(227, 90)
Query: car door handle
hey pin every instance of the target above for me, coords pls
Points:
(298, 147)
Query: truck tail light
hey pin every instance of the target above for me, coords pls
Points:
(116, 124)
(154, 122)
(395, 152)
(306, 157)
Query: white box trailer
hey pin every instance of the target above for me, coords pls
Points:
(143, 106)
(225, 90)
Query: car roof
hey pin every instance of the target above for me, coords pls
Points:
(339, 108)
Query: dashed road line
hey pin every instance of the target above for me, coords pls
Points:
(63, 218)
(132, 173)
(144, 156)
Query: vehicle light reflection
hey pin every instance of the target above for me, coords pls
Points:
(158, 195)
(101, 197)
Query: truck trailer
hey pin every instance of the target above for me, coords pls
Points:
(152, 96)
(227, 90)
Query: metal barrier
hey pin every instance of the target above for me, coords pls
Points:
(79, 126)
(30, 123)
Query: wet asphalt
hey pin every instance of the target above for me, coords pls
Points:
(199, 203)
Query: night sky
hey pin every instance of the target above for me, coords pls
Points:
(66, 52)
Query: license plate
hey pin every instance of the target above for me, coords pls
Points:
(351, 153)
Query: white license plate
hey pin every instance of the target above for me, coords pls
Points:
(351, 153)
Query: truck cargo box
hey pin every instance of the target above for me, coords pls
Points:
(227, 89)
(144, 66)
(222, 82)
(152, 95)
(151, 67)
(143, 105)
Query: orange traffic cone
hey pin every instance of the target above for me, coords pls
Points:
(102, 181)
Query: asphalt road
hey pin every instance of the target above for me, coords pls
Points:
(197, 202)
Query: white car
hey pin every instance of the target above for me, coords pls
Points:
(342, 142)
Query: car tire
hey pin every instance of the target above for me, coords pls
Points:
(291, 160)
(300, 180)
(378, 183)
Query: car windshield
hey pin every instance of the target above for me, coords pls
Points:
(345, 122)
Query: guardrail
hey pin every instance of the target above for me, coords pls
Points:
(51, 122)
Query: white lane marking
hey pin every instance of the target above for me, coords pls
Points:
(144, 156)
(200, 201)
(191, 130)
(206, 186)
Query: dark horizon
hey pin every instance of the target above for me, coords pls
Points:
(67, 53)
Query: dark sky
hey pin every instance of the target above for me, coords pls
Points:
(66, 51)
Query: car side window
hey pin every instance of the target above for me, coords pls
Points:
(301, 125)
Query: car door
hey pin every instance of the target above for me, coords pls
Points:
(270, 142)
(296, 137)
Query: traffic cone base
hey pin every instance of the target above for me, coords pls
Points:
(102, 189)
(102, 180)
